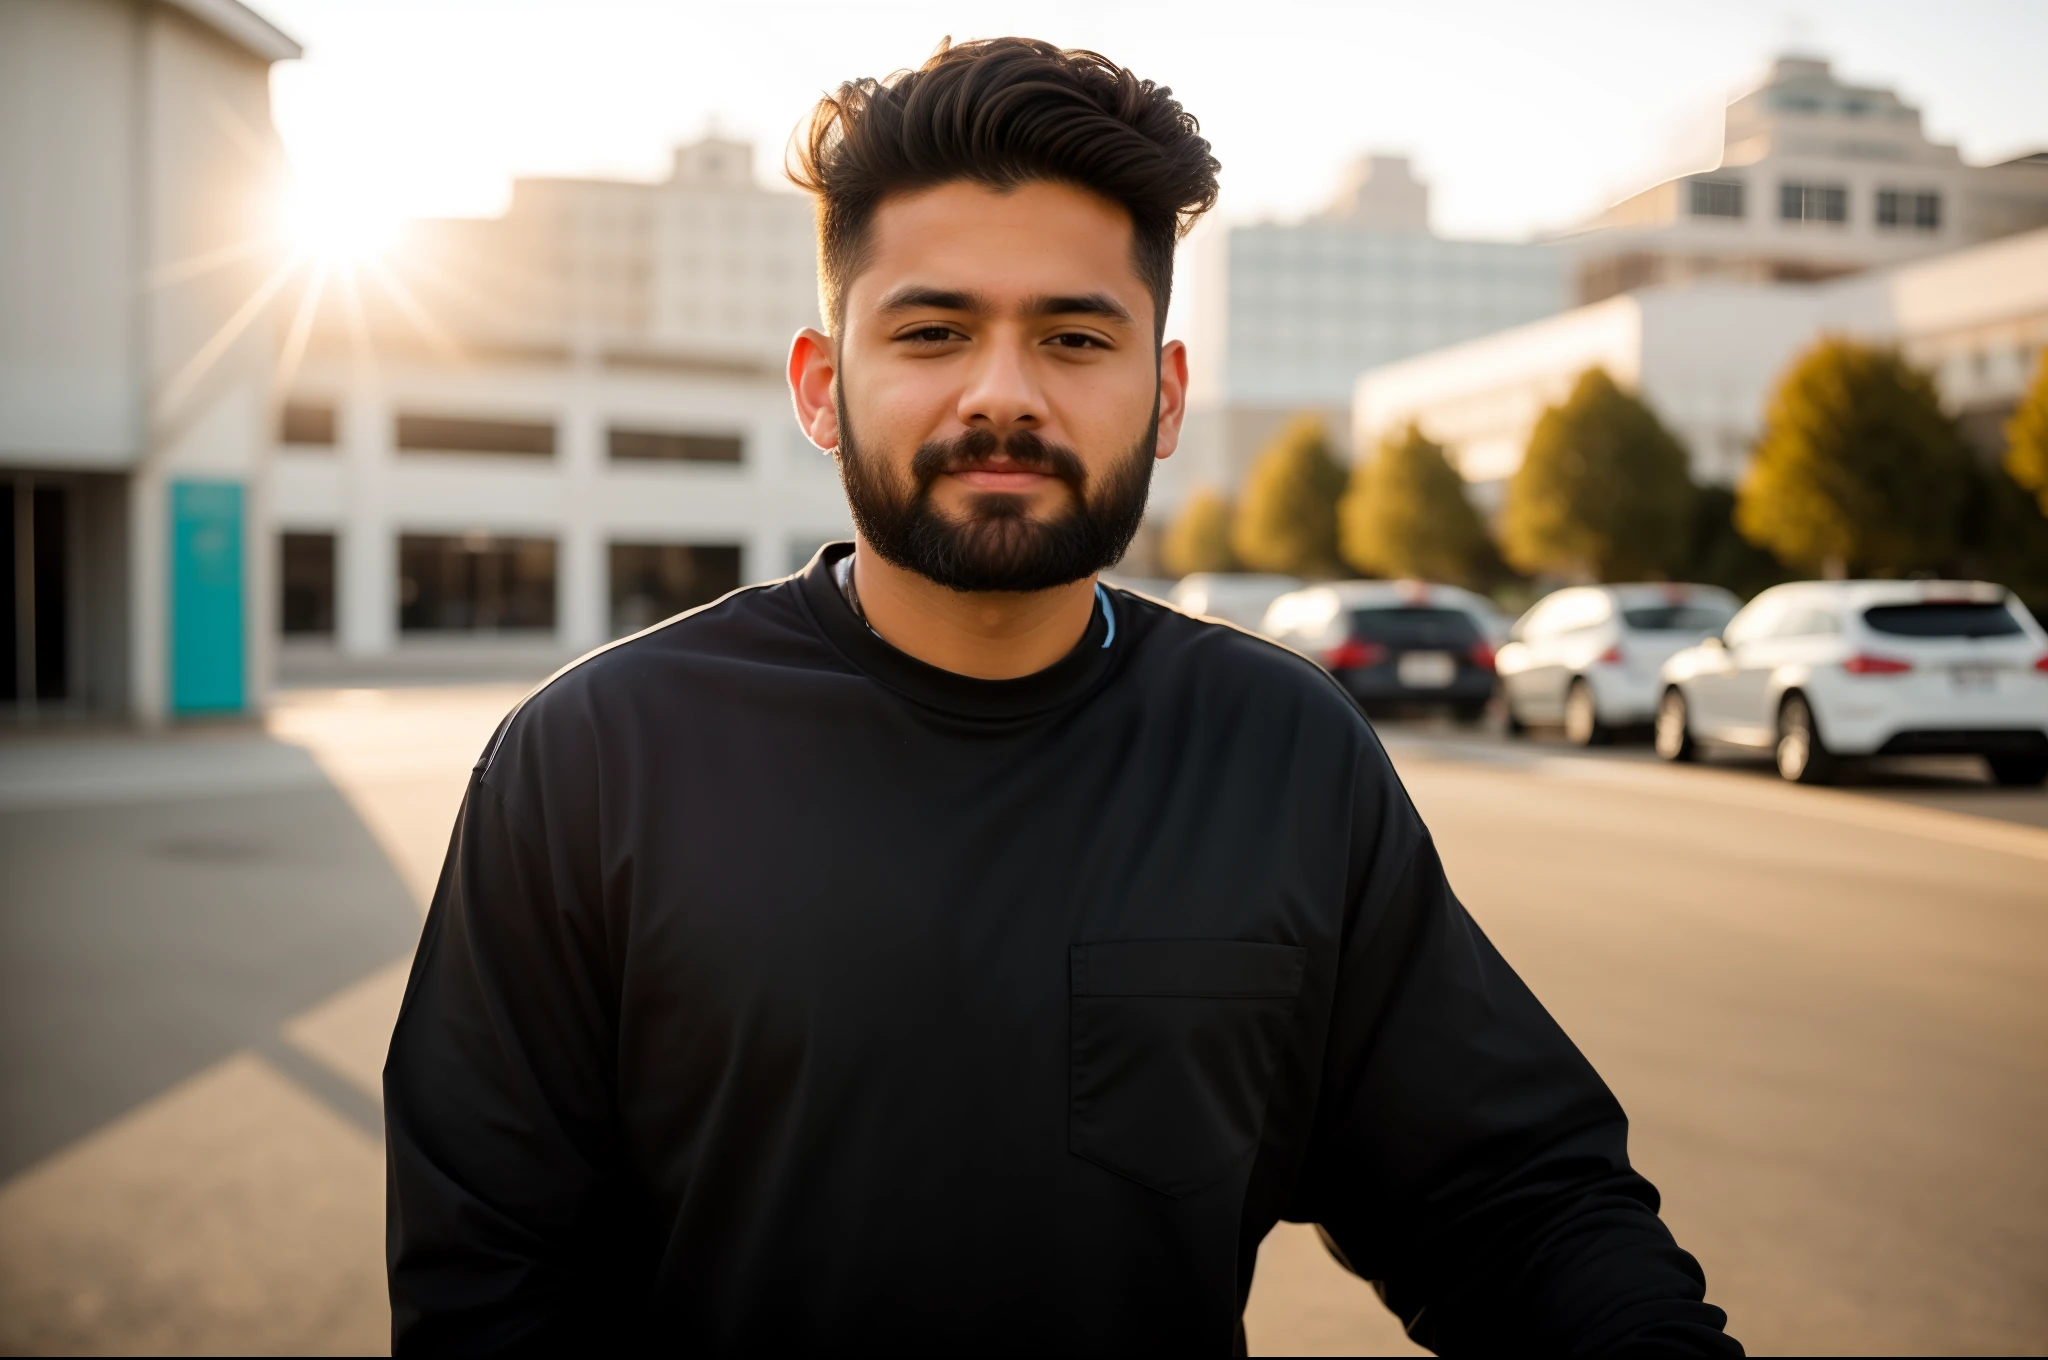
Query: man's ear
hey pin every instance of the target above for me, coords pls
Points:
(1173, 395)
(812, 370)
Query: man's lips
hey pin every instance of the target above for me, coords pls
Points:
(1002, 478)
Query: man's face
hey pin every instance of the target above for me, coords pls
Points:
(999, 395)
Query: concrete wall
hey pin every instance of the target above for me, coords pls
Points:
(781, 500)
(71, 205)
(139, 270)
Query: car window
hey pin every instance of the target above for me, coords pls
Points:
(1449, 629)
(1677, 618)
(1939, 619)
(1537, 622)
(1808, 622)
(1565, 611)
(1755, 621)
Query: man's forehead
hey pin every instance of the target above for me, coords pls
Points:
(1032, 241)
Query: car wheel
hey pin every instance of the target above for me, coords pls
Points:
(1469, 715)
(1674, 728)
(2019, 771)
(1511, 724)
(1582, 725)
(1803, 757)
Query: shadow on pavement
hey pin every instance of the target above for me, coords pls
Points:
(168, 902)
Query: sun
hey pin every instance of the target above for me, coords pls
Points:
(338, 224)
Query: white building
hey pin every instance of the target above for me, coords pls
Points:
(1287, 316)
(555, 427)
(1817, 178)
(1707, 357)
(138, 177)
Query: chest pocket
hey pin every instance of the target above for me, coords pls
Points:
(1173, 1048)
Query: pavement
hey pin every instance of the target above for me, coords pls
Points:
(1826, 1011)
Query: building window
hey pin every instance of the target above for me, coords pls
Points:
(306, 423)
(1716, 198)
(306, 575)
(455, 434)
(673, 446)
(651, 581)
(1813, 202)
(1898, 208)
(475, 583)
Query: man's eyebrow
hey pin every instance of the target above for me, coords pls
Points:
(915, 295)
(1080, 304)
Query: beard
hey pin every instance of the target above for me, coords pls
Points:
(1000, 544)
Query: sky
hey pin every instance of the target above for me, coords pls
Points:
(1523, 116)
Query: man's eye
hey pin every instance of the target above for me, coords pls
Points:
(1077, 341)
(930, 335)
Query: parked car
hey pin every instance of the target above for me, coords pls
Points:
(1587, 658)
(1238, 597)
(1821, 672)
(1395, 645)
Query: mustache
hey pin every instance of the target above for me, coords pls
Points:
(1021, 450)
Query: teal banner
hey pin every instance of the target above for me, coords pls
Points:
(206, 597)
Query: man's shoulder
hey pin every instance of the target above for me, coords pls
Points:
(726, 644)
(1219, 657)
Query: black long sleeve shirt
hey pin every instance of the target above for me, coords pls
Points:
(781, 990)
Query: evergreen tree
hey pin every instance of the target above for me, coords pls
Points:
(1406, 514)
(2026, 438)
(1287, 514)
(1199, 537)
(2003, 537)
(1720, 555)
(1858, 468)
(1604, 490)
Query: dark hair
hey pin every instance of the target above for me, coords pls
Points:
(1004, 112)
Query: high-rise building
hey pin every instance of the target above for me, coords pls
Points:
(1817, 178)
(1287, 315)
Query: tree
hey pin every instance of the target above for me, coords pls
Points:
(1287, 515)
(1604, 489)
(2003, 537)
(2026, 438)
(1199, 537)
(1858, 468)
(1719, 555)
(1406, 514)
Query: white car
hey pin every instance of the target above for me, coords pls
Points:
(1238, 597)
(1818, 672)
(1588, 657)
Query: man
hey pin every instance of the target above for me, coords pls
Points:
(938, 950)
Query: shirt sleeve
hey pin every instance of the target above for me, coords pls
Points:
(507, 1212)
(1466, 1157)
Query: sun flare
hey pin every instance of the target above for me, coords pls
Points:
(337, 224)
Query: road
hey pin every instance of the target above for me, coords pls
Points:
(1825, 1010)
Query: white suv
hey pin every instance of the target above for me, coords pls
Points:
(1587, 657)
(1819, 671)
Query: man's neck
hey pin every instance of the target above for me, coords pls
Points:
(990, 635)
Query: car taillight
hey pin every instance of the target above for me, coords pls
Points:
(2042, 664)
(1613, 657)
(1481, 655)
(1863, 663)
(1354, 655)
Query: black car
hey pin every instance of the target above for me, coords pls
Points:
(1400, 648)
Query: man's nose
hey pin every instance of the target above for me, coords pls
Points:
(1001, 394)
